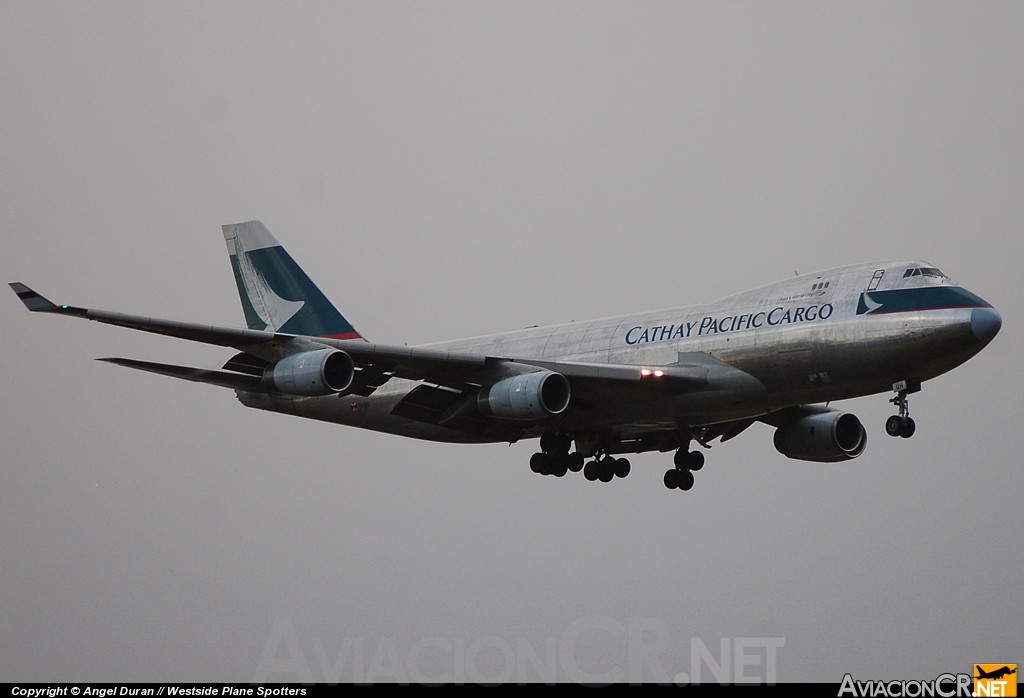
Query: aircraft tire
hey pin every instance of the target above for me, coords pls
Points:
(894, 425)
(621, 468)
(694, 461)
(574, 461)
(671, 478)
(908, 428)
(537, 463)
(685, 480)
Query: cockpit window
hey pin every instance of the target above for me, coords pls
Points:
(924, 271)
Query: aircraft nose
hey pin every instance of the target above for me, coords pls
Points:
(985, 323)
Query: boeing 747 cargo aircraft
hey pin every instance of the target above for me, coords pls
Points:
(663, 380)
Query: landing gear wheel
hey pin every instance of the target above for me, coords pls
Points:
(908, 429)
(672, 478)
(676, 479)
(688, 460)
(621, 468)
(685, 480)
(900, 426)
(606, 469)
(695, 460)
(590, 470)
(537, 463)
(574, 462)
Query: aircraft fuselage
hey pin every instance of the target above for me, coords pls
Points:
(832, 335)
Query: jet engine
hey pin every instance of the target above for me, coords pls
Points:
(312, 373)
(528, 396)
(826, 437)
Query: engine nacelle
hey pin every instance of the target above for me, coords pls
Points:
(312, 373)
(528, 396)
(828, 437)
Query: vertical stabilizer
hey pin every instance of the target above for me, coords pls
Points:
(276, 294)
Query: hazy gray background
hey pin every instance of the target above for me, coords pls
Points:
(451, 169)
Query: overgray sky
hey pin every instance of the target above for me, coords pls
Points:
(453, 169)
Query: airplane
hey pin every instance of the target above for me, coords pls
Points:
(595, 391)
(997, 674)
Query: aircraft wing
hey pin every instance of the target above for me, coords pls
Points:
(419, 364)
(379, 362)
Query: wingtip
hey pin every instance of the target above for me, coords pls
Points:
(32, 300)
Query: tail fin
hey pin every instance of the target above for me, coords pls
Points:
(276, 294)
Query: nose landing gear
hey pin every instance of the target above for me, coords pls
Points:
(902, 424)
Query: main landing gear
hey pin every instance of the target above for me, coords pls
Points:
(606, 468)
(555, 459)
(902, 424)
(686, 462)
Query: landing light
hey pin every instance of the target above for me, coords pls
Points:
(647, 373)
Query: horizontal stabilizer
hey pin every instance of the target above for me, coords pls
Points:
(225, 379)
